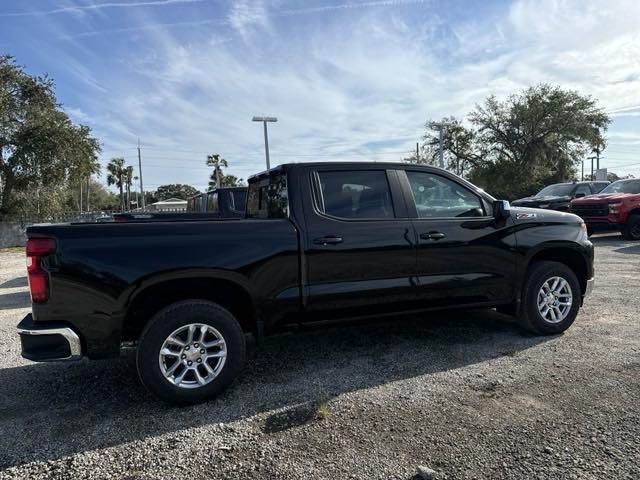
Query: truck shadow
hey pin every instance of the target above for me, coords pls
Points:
(15, 283)
(613, 240)
(13, 300)
(59, 409)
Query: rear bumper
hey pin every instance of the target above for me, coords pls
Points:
(53, 342)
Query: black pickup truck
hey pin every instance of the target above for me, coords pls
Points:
(319, 241)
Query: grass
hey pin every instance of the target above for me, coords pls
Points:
(322, 409)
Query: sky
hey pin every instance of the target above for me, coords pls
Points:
(347, 80)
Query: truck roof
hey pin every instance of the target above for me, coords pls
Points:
(343, 163)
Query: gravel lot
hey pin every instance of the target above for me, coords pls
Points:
(467, 394)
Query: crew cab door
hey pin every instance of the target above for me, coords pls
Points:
(359, 250)
(464, 255)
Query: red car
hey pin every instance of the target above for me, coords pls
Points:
(617, 207)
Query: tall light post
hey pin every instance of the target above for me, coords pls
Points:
(440, 126)
(264, 121)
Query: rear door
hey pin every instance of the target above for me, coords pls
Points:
(464, 256)
(359, 248)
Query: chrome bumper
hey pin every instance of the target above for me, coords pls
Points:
(589, 288)
(48, 344)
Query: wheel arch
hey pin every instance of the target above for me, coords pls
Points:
(566, 254)
(226, 289)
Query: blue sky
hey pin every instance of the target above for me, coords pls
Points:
(346, 79)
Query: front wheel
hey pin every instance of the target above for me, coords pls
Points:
(190, 352)
(632, 228)
(551, 298)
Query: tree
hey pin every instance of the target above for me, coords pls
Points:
(116, 172)
(226, 181)
(217, 162)
(535, 137)
(128, 180)
(40, 148)
(178, 190)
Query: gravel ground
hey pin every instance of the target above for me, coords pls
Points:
(468, 395)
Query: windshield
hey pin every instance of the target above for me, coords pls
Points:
(623, 186)
(557, 190)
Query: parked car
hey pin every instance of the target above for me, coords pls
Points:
(319, 241)
(617, 207)
(559, 195)
(226, 202)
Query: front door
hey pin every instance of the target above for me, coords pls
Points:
(464, 256)
(360, 246)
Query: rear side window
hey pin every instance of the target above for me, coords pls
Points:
(439, 197)
(354, 194)
(212, 202)
(268, 198)
(237, 200)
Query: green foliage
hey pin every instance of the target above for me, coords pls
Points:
(217, 177)
(41, 150)
(177, 190)
(514, 147)
(116, 173)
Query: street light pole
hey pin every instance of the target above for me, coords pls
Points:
(264, 121)
(440, 126)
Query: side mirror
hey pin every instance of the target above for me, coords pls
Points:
(579, 195)
(501, 209)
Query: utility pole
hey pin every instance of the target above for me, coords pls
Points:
(80, 196)
(264, 121)
(140, 170)
(417, 153)
(582, 176)
(592, 159)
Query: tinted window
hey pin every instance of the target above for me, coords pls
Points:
(212, 202)
(623, 186)
(597, 186)
(584, 189)
(437, 196)
(556, 190)
(355, 194)
(268, 198)
(237, 200)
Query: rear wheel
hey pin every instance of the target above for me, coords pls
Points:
(551, 298)
(190, 352)
(632, 228)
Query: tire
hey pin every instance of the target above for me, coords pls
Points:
(531, 317)
(223, 345)
(632, 228)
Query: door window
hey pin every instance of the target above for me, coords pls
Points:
(584, 189)
(439, 197)
(355, 194)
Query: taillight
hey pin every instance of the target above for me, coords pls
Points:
(38, 278)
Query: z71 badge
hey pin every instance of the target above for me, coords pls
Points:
(522, 216)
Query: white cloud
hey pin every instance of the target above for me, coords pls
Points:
(96, 7)
(350, 86)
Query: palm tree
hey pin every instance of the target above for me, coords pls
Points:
(128, 179)
(115, 176)
(217, 162)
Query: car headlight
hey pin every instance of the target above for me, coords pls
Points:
(614, 208)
